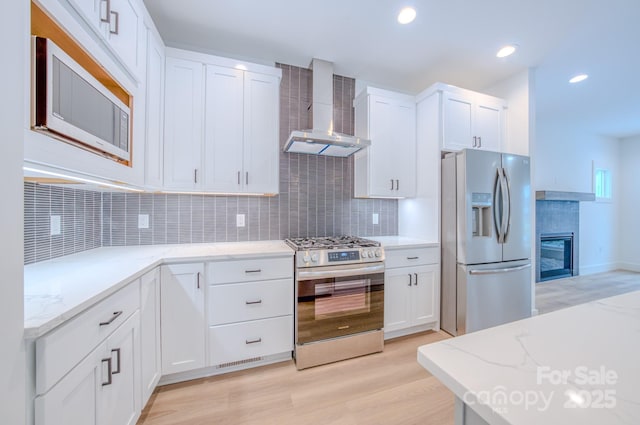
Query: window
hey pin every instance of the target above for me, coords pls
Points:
(602, 184)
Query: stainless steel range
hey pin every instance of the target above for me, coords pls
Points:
(339, 299)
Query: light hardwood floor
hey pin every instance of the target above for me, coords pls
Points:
(380, 389)
(561, 293)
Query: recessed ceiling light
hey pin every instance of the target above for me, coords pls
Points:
(578, 78)
(506, 51)
(407, 15)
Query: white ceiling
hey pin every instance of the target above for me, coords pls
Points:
(452, 41)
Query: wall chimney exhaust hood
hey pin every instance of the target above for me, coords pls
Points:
(322, 140)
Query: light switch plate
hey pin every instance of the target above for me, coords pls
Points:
(55, 225)
(239, 220)
(376, 218)
(143, 221)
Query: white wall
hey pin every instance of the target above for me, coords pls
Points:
(516, 90)
(14, 33)
(629, 228)
(564, 162)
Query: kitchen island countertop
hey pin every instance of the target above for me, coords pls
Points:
(572, 366)
(58, 289)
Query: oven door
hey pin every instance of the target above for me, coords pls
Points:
(339, 300)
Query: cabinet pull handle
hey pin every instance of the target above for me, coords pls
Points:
(412, 258)
(105, 8)
(109, 372)
(479, 141)
(117, 351)
(246, 180)
(474, 141)
(115, 315)
(416, 282)
(238, 178)
(114, 28)
(252, 341)
(409, 279)
(195, 175)
(253, 271)
(391, 184)
(198, 280)
(341, 328)
(397, 184)
(253, 302)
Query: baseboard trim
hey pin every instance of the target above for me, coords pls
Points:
(631, 267)
(598, 268)
(434, 326)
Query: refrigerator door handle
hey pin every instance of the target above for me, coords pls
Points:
(496, 213)
(502, 270)
(506, 213)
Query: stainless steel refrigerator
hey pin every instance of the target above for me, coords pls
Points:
(486, 240)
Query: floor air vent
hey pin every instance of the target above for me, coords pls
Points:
(238, 363)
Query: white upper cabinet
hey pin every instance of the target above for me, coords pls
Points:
(120, 24)
(232, 140)
(471, 120)
(183, 135)
(388, 167)
(154, 102)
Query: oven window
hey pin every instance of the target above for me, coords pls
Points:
(334, 307)
(342, 298)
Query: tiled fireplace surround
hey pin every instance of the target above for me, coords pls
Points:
(315, 199)
(554, 217)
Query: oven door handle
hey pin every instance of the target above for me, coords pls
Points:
(323, 273)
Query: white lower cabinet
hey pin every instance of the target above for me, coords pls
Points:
(150, 367)
(412, 296)
(183, 325)
(103, 389)
(250, 313)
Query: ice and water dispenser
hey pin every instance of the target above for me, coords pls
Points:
(481, 214)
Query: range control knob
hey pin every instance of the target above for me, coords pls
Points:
(368, 254)
(306, 258)
(378, 253)
(314, 258)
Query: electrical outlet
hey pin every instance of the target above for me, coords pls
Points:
(239, 220)
(143, 221)
(376, 218)
(55, 225)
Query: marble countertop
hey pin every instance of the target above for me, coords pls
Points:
(573, 366)
(57, 290)
(401, 242)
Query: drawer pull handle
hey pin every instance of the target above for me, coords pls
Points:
(115, 315)
(343, 327)
(117, 351)
(416, 282)
(109, 372)
(253, 302)
(412, 258)
(253, 271)
(254, 341)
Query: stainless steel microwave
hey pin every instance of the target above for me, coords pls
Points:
(72, 105)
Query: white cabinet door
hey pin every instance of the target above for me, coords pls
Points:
(150, 369)
(183, 124)
(120, 400)
(488, 124)
(397, 301)
(154, 134)
(126, 33)
(182, 316)
(423, 298)
(94, 12)
(74, 400)
(224, 129)
(261, 123)
(388, 166)
(457, 116)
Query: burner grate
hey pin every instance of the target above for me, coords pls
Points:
(330, 242)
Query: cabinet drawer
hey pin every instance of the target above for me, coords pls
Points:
(250, 269)
(238, 302)
(411, 257)
(61, 349)
(248, 340)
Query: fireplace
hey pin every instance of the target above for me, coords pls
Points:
(556, 255)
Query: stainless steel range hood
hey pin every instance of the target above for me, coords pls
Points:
(322, 140)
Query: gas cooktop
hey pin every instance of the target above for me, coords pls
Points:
(330, 242)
